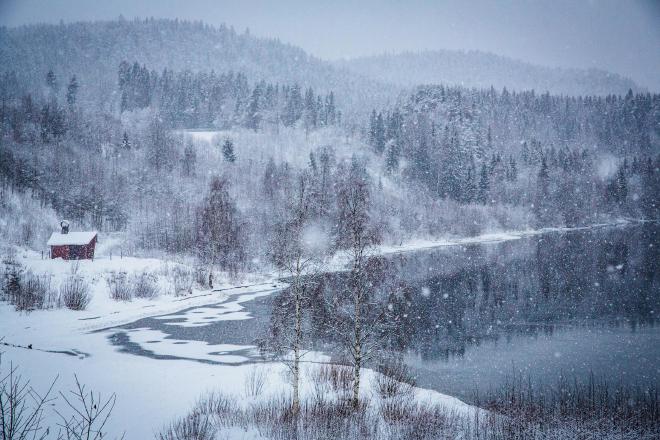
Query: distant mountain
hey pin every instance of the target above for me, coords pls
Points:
(93, 51)
(483, 70)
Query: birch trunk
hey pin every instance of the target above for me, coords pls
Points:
(357, 351)
(297, 340)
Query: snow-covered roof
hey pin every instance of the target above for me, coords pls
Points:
(72, 238)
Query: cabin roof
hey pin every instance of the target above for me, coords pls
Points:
(72, 238)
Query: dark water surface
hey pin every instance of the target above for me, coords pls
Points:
(570, 303)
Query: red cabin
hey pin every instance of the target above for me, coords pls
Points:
(72, 245)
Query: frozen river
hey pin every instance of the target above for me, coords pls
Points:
(571, 303)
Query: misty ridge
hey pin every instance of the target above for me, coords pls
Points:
(219, 168)
(482, 70)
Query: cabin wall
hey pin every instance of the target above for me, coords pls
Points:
(59, 252)
(91, 247)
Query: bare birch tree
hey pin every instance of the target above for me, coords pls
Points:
(357, 234)
(296, 250)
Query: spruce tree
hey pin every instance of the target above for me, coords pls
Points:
(72, 91)
(513, 170)
(469, 187)
(484, 185)
(228, 151)
(254, 115)
(51, 82)
(189, 160)
(392, 158)
(379, 134)
(543, 204)
(650, 190)
(312, 162)
(372, 129)
(330, 109)
(125, 143)
(618, 188)
(310, 111)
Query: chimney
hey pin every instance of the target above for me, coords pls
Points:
(65, 226)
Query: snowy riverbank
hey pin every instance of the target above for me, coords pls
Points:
(151, 392)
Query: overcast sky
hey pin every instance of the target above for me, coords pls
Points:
(617, 35)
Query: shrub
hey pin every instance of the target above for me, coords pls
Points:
(572, 409)
(394, 380)
(398, 408)
(202, 277)
(340, 377)
(215, 403)
(255, 381)
(11, 280)
(182, 278)
(120, 289)
(321, 387)
(276, 419)
(74, 292)
(588, 412)
(26, 290)
(193, 427)
(35, 293)
(144, 285)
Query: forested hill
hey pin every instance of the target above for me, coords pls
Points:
(482, 70)
(90, 128)
(93, 51)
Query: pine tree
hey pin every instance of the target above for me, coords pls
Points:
(543, 204)
(228, 151)
(310, 111)
(525, 153)
(72, 91)
(391, 126)
(470, 185)
(379, 134)
(330, 109)
(484, 185)
(254, 107)
(513, 170)
(372, 129)
(489, 139)
(392, 158)
(618, 188)
(312, 162)
(455, 164)
(125, 143)
(51, 82)
(161, 150)
(294, 106)
(650, 190)
(189, 160)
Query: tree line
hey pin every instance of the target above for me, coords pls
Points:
(206, 99)
(484, 147)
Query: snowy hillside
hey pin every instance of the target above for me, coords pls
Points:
(483, 70)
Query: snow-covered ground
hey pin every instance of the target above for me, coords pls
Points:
(151, 392)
